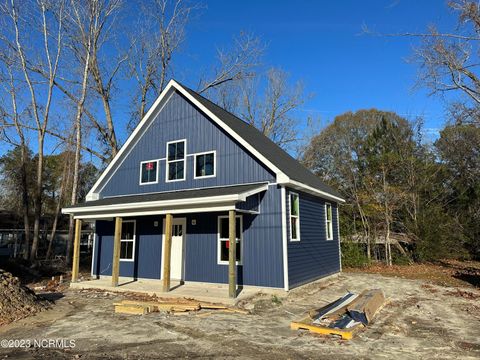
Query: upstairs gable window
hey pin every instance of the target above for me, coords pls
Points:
(205, 165)
(176, 158)
(148, 172)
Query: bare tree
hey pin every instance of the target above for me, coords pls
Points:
(274, 112)
(448, 61)
(23, 21)
(60, 202)
(162, 31)
(235, 64)
(84, 26)
(13, 116)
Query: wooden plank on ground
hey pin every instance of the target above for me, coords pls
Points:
(131, 309)
(307, 324)
(366, 305)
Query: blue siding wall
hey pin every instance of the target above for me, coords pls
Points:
(262, 247)
(148, 249)
(179, 119)
(313, 256)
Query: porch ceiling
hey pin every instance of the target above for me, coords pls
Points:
(182, 201)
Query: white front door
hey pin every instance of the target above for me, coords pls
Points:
(179, 227)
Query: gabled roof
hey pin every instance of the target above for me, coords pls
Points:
(289, 171)
(279, 157)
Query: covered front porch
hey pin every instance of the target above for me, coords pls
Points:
(169, 208)
(208, 292)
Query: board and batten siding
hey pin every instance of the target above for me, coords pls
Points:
(148, 249)
(262, 247)
(180, 119)
(313, 256)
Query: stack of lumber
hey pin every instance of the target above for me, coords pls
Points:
(345, 316)
(138, 307)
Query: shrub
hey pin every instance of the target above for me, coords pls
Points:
(353, 254)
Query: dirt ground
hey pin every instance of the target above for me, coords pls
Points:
(444, 272)
(421, 320)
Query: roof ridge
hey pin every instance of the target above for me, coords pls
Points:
(280, 158)
(238, 118)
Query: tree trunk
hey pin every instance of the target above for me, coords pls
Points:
(58, 209)
(78, 148)
(38, 199)
(25, 202)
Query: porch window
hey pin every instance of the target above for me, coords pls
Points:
(205, 165)
(148, 172)
(223, 242)
(127, 241)
(294, 217)
(329, 221)
(176, 160)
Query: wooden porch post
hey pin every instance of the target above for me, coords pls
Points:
(167, 252)
(76, 250)
(116, 251)
(232, 257)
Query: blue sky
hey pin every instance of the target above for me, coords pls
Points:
(322, 44)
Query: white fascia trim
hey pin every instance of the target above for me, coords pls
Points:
(111, 215)
(159, 204)
(167, 203)
(243, 196)
(283, 194)
(302, 186)
(93, 193)
(259, 183)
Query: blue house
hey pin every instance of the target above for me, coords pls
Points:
(239, 209)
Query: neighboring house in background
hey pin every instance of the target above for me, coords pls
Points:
(197, 162)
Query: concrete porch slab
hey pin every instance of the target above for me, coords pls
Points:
(208, 292)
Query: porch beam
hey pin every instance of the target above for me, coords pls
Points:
(116, 251)
(167, 252)
(76, 250)
(232, 257)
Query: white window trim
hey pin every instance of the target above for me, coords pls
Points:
(328, 225)
(158, 173)
(167, 162)
(219, 240)
(214, 164)
(134, 240)
(290, 193)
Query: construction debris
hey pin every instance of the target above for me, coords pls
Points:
(366, 305)
(174, 306)
(344, 316)
(17, 301)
